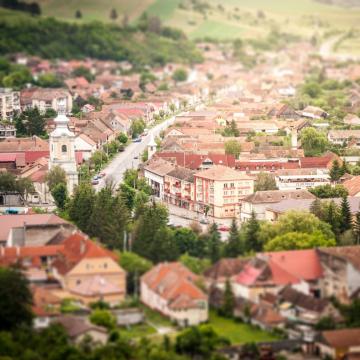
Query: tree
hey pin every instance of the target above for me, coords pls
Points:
(264, 182)
(82, 71)
(332, 216)
(313, 142)
(196, 265)
(227, 308)
(98, 158)
(297, 240)
(180, 75)
(103, 318)
(15, 300)
(7, 182)
(186, 240)
(345, 215)
(78, 14)
(199, 341)
(326, 323)
(251, 233)
(312, 89)
(232, 147)
(135, 266)
(113, 14)
(81, 206)
(231, 129)
(214, 243)
(153, 218)
(60, 195)
(123, 138)
(49, 80)
(351, 313)
(233, 246)
(316, 208)
(163, 246)
(137, 128)
(329, 191)
(55, 176)
(336, 172)
(297, 222)
(30, 123)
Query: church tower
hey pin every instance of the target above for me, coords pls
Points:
(62, 150)
(151, 147)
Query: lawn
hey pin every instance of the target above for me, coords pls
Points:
(236, 332)
(154, 317)
(137, 331)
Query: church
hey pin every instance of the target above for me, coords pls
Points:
(62, 150)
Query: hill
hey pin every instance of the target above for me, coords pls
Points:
(52, 38)
(226, 19)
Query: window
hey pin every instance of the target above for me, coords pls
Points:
(63, 148)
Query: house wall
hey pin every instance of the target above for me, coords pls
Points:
(154, 178)
(84, 147)
(353, 279)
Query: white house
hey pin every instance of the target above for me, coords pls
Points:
(84, 144)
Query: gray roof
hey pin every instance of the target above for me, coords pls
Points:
(275, 196)
(182, 173)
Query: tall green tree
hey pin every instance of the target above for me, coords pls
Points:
(252, 240)
(233, 246)
(264, 182)
(316, 208)
(30, 123)
(214, 243)
(60, 195)
(227, 309)
(163, 247)
(55, 176)
(232, 147)
(15, 300)
(313, 142)
(336, 171)
(332, 216)
(153, 218)
(345, 215)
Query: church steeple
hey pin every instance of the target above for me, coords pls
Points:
(151, 147)
(62, 150)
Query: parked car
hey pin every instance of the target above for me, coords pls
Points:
(136, 157)
(96, 177)
(204, 221)
(94, 182)
(136, 140)
(223, 228)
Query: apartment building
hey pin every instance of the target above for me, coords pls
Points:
(9, 103)
(219, 190)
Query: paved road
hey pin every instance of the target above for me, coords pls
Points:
(130, 157)
(327, 50)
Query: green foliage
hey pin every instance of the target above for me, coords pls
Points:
(98, 158)
(81, 205)
(14, 75)
(227, 309)
(199, 341)
(50, 38)
(134, 263)
(295, 222)
(264, 182)
(137, 128)
(313, 142)
(103, 318)
(83, 71)
(187, 241)
(214, 243)
(49, 80)
(196, 265)
(8, 182)
(232, 147)
(231, 130)
(252, 241)
(55, 176)
(345, 215)
(123, 138)
(15, 300)
(356, 228)
(30, 122)
(336, 171)
(233, 247)
(179, 75)
(326, 323)
(327, 191)
(60, 195)
(298, 240)
(351, 313)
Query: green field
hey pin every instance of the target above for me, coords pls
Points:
(234, 18)
(236, 332)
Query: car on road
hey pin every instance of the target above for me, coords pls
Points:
(137, 140)
(204, 221)
(95, 182)
(223, 228)
(136, 157)
(96, 177)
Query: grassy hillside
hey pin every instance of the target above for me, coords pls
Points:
(222, 19)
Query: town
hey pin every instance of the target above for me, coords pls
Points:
(202, 202)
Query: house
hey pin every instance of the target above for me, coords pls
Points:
(88, 272)
(285, 111)
(171, 289)
(154, 173)
(260, 200)
(85, 144)
(7, 131)
(9, 103)
(338, 344)
(341, 267)
(352, 120)
(303, 308)
(314, 112)
(340, 137)
(79, 329)
(219, 191)
(45, 99)
(352, 186)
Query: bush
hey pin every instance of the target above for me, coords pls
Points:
(104, 318)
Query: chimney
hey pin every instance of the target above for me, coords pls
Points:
(294, 140)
